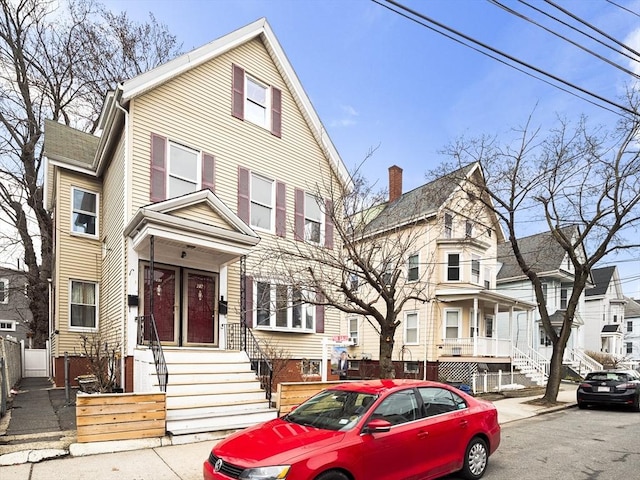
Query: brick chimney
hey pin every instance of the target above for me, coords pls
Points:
(395, 183)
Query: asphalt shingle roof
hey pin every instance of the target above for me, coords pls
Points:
(540, 251)
(601, 279)
(632, 308)
(69, 145)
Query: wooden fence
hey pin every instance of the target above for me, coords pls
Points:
(291, 394)
(120, 416)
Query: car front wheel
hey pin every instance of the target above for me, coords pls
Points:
(475, 459)
(332, 475)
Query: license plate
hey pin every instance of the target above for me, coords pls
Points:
(603, 389)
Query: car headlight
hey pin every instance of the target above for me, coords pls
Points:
(278, 472)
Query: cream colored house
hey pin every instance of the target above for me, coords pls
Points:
(450, 247)
(156, 218)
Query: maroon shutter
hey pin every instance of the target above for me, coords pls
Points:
(328, 223)
(158, 168)
(237, 100)
(208, 171)
(248, 301)
(320, 314)
(298, 227)
(281, 209)
(276, 112)
(243, 194)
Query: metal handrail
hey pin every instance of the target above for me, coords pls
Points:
(147, 323)
(239, 337)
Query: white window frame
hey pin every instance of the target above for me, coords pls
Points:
(5, 291)
(354, 332)
(415, 267)
(458, 312)
(489, 320)
(8, 325)
(476, 260)
(85, 212)
(488, 280)
(271, 206)
(249, 103)
(96, 306)
(448, 225)
(307, 218)
(468, 229)
(307, 310)
(198, 180)
(406, 328)
(628, 348)
(629, 326)
(447, 266)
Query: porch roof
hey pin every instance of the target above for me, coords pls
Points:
(461, 294)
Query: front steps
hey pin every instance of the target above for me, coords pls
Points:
(536, 377)
(212, 390)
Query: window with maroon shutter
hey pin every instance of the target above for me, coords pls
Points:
(320, 314)
(298, 227)
(158, 168)
(243, 194)
(328, 224)
(281, 209)
(276, 112)
(248, 301)
(237, 108)
(208, 172)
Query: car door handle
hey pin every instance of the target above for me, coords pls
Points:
(463, 423)
(423, 434)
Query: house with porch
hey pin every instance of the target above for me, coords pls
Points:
(450, 242)
(553, 266)
(156, 219)
(604, 317)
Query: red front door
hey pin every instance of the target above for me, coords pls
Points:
(200, 295)
(163, 301)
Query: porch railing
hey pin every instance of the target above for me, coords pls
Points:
(532, 359)
(239, 337)
(148, 334)
(583, 362)
(481, 346)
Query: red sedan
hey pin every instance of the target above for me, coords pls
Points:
(373, 430)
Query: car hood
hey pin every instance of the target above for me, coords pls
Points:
(273, 443)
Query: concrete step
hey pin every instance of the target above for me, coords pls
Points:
(220, 422)
(221, 388)
(196, 401)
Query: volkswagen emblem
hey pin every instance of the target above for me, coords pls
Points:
(218, 465)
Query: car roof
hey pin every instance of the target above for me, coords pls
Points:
(376, 387)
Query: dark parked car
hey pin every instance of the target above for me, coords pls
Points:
(373, 430)
(610, 387)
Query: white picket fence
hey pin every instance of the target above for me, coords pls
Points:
(493, 382)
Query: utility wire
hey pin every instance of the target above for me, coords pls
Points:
(566, 39)
(572, 27)
(505, 55)
(623, 8)
(587, 24)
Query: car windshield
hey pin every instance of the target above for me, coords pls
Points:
(608, 376)
(332, 410)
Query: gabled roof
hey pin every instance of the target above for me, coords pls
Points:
(632, 308)
(68, 145)
(601, 278)
(419, 203)
(541, 251)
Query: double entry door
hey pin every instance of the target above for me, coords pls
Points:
(184, 304)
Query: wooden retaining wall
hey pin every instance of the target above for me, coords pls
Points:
(120, 416)
(291, 394)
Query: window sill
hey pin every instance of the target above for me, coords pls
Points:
(283, 330)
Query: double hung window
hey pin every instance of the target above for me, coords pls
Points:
(313, 219)
(84, 304)
(262, 202)
(283, 307)
(413, 268)
(85, 212)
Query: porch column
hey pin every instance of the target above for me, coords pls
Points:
(511, 325)
(495, 330)
(475, 326)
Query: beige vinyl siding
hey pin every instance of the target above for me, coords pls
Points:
(79, 257)
(113, 286)
(204, 214)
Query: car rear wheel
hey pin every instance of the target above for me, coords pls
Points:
(582, 405)
(636, 404)
(475, 459)
(332, 475)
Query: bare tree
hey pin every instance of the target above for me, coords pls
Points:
(365, 272)
(580, 183)
(57, 63)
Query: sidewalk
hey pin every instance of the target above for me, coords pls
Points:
(156, 459)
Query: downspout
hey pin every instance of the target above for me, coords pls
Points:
(126, 217)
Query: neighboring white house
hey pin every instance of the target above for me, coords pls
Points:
(604, 314)
(553, 266)
(632, 335)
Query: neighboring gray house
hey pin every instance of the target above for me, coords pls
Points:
(14, 305)
(632, 335)
(553, 266)
(604, 317)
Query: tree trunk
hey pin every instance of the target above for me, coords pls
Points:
(555, 372)
(386, 351)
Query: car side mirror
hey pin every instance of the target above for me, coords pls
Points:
(377, 425)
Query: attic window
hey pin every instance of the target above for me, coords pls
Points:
(257, 102)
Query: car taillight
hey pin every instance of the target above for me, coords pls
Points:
(585, 386)
(625, 386)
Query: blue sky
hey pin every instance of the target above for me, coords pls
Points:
(377, 79)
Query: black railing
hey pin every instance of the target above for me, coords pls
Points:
(241, 338)
(148, 334)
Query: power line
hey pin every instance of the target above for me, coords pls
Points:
(502, 54)
(623, 8)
